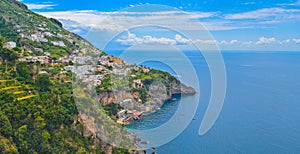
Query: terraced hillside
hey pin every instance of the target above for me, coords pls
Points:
(38, 113)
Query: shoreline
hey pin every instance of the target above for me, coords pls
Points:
(136, 117)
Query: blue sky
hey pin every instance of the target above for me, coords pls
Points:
(234, 24)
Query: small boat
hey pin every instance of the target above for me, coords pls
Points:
(173, 99)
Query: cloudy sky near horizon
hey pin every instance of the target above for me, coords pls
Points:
(234, 24)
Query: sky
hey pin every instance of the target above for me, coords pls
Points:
(229, 25)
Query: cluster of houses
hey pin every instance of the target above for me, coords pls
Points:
(94, 79)
(137, 83)
(36, 36)
(84, 71)
(41, 59)
(105, 64)
(127, 116)
(138, 68)
(87, 72)
(43, 35)
(106, 61)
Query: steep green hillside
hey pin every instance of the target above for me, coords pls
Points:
(38, 113)
(37, 33)
(37, 109)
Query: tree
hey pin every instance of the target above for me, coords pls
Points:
(43, 82)
(40, 122)
(21, 135)
(5, 126)
(1, 42)
(24, 73)
(8, 54)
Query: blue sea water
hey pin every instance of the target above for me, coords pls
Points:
(261, 112)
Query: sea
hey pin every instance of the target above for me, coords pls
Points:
(261, 111)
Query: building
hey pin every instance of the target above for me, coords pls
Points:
(121, 113)
(58, 43)
(69, 68)
(10, 45)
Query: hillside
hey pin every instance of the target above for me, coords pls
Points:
(38, 112)
(37, 33)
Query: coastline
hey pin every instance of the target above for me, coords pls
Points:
(127, 116)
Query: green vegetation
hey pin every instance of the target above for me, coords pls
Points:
(41, 124)
(5, 126)
(43, 82)
(15, 19)
(112, 109)
(8, 54)
(37, 110)
(23, 73)
(106, 86)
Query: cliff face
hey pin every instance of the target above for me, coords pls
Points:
(157, 96)
(179, 88)
(88, 129)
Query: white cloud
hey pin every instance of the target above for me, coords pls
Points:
(249, 3)
(284, 41)
(266, 13)
(85, 18)
(41, 6)
(297, 3)
(117, 21)
(296, 40)
(180, 40)
(265, 40)
(214, 21)
(247, 43)
(162, 40)
(200, 15)
(232, 42)
(207, 42)
(132, 39)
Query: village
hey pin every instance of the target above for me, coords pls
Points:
(125, 117)
(88, 68)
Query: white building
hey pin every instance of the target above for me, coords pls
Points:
(58, 43)
(10, 45)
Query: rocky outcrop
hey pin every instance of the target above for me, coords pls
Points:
(158, 95)
(87, 127)
(178, 88)
(55, 21)
(19, 4)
